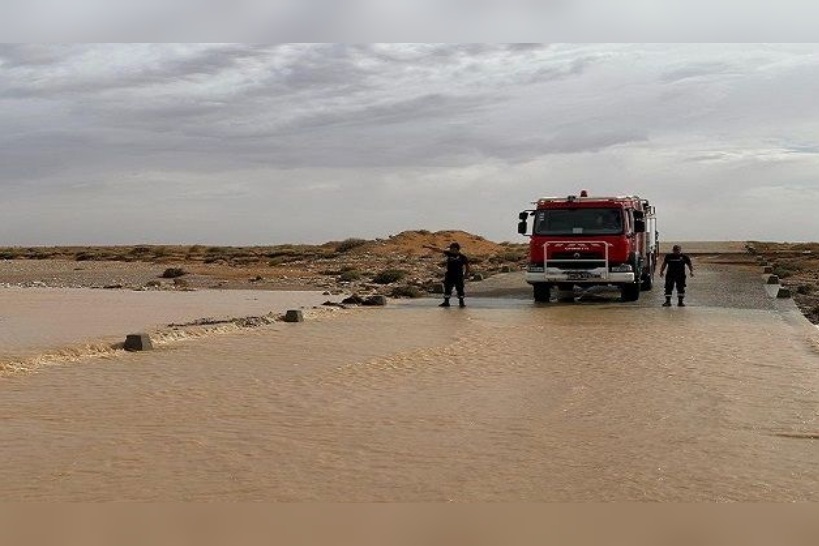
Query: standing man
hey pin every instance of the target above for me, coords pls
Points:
(457, 268)
(676, 263)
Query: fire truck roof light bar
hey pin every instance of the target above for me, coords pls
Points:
(574, 198)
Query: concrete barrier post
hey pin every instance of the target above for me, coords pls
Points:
(138, 342)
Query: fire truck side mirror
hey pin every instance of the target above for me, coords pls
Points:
(639, 226)
(523, 216)
(522, 227)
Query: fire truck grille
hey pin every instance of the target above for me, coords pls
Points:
(576, 256)
(570, 264)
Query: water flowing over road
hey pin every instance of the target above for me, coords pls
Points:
(506, 400)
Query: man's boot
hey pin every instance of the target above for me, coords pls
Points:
(445, 304)
(461, 302)
(667, 301)
(680, 302)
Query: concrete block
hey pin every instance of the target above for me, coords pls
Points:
(783, 293)
(770, 279)
(294, 315)
(767, 269)
(138, 342)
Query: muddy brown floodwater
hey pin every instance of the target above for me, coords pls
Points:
(503, 401)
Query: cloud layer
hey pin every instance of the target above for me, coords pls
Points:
(244, 144)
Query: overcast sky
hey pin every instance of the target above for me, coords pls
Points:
(246, 144)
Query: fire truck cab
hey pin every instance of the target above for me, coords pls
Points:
(582, 240)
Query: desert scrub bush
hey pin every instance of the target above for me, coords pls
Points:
(244, 261)
(173, 272)
(804, 289)
(389, 276)
(782, 272)
(348, 244)
(349, 275)
(507, 256)
(140, 250)
(406, 292)
(41, 255)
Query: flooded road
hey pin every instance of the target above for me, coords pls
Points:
(503, 401)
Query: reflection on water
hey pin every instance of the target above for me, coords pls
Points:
(504, 400)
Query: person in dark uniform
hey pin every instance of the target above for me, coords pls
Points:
(676, 262)
(457, 268)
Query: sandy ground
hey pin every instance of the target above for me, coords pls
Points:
(796, 265)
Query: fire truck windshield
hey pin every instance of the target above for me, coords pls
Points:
(580, 221)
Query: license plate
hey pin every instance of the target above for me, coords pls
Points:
(578, 275)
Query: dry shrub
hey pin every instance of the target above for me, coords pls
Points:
(173, 272)
(389, 276)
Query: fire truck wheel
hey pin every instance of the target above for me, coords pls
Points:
(542, 292)
(630, 292)
(647, 283)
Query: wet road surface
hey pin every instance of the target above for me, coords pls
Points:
(505, 400)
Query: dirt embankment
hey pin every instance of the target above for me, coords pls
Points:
(397, 266)
(797, 266)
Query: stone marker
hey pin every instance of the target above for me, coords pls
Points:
(783, 292)
(767, 269)
(138, 342)
(771, 279)
(294, 315)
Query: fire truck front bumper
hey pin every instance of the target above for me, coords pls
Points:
(599, 275)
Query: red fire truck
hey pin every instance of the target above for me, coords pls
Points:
(581, 240)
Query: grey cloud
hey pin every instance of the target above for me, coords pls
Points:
(32, 55)
(574, 142)
(484, 125)
(696, 71)
(42, 84)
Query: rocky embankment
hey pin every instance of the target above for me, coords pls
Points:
(397, 266)
(797, 266)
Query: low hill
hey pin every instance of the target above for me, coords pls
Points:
(411, 243)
